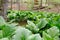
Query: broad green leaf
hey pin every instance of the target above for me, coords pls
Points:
(46, 36)
(56, 38)
(1, 34)
(34, 37)
(8, 30)
(52, 34)
(42, 23)
(2, 21)
(21, 34)
(53, 31)
(4, 39)
(31, 26)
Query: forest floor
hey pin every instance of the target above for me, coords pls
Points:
(48, 9)
(52, 9)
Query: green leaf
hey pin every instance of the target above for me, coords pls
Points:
(2, 21)
(8, 30)
(34, 37)
(21, 34)
(42, 23)
(52, 34)
(46, 36)
(4, 39)
(1, 34)
(31, 26)
(53, 31)
(56, 38)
